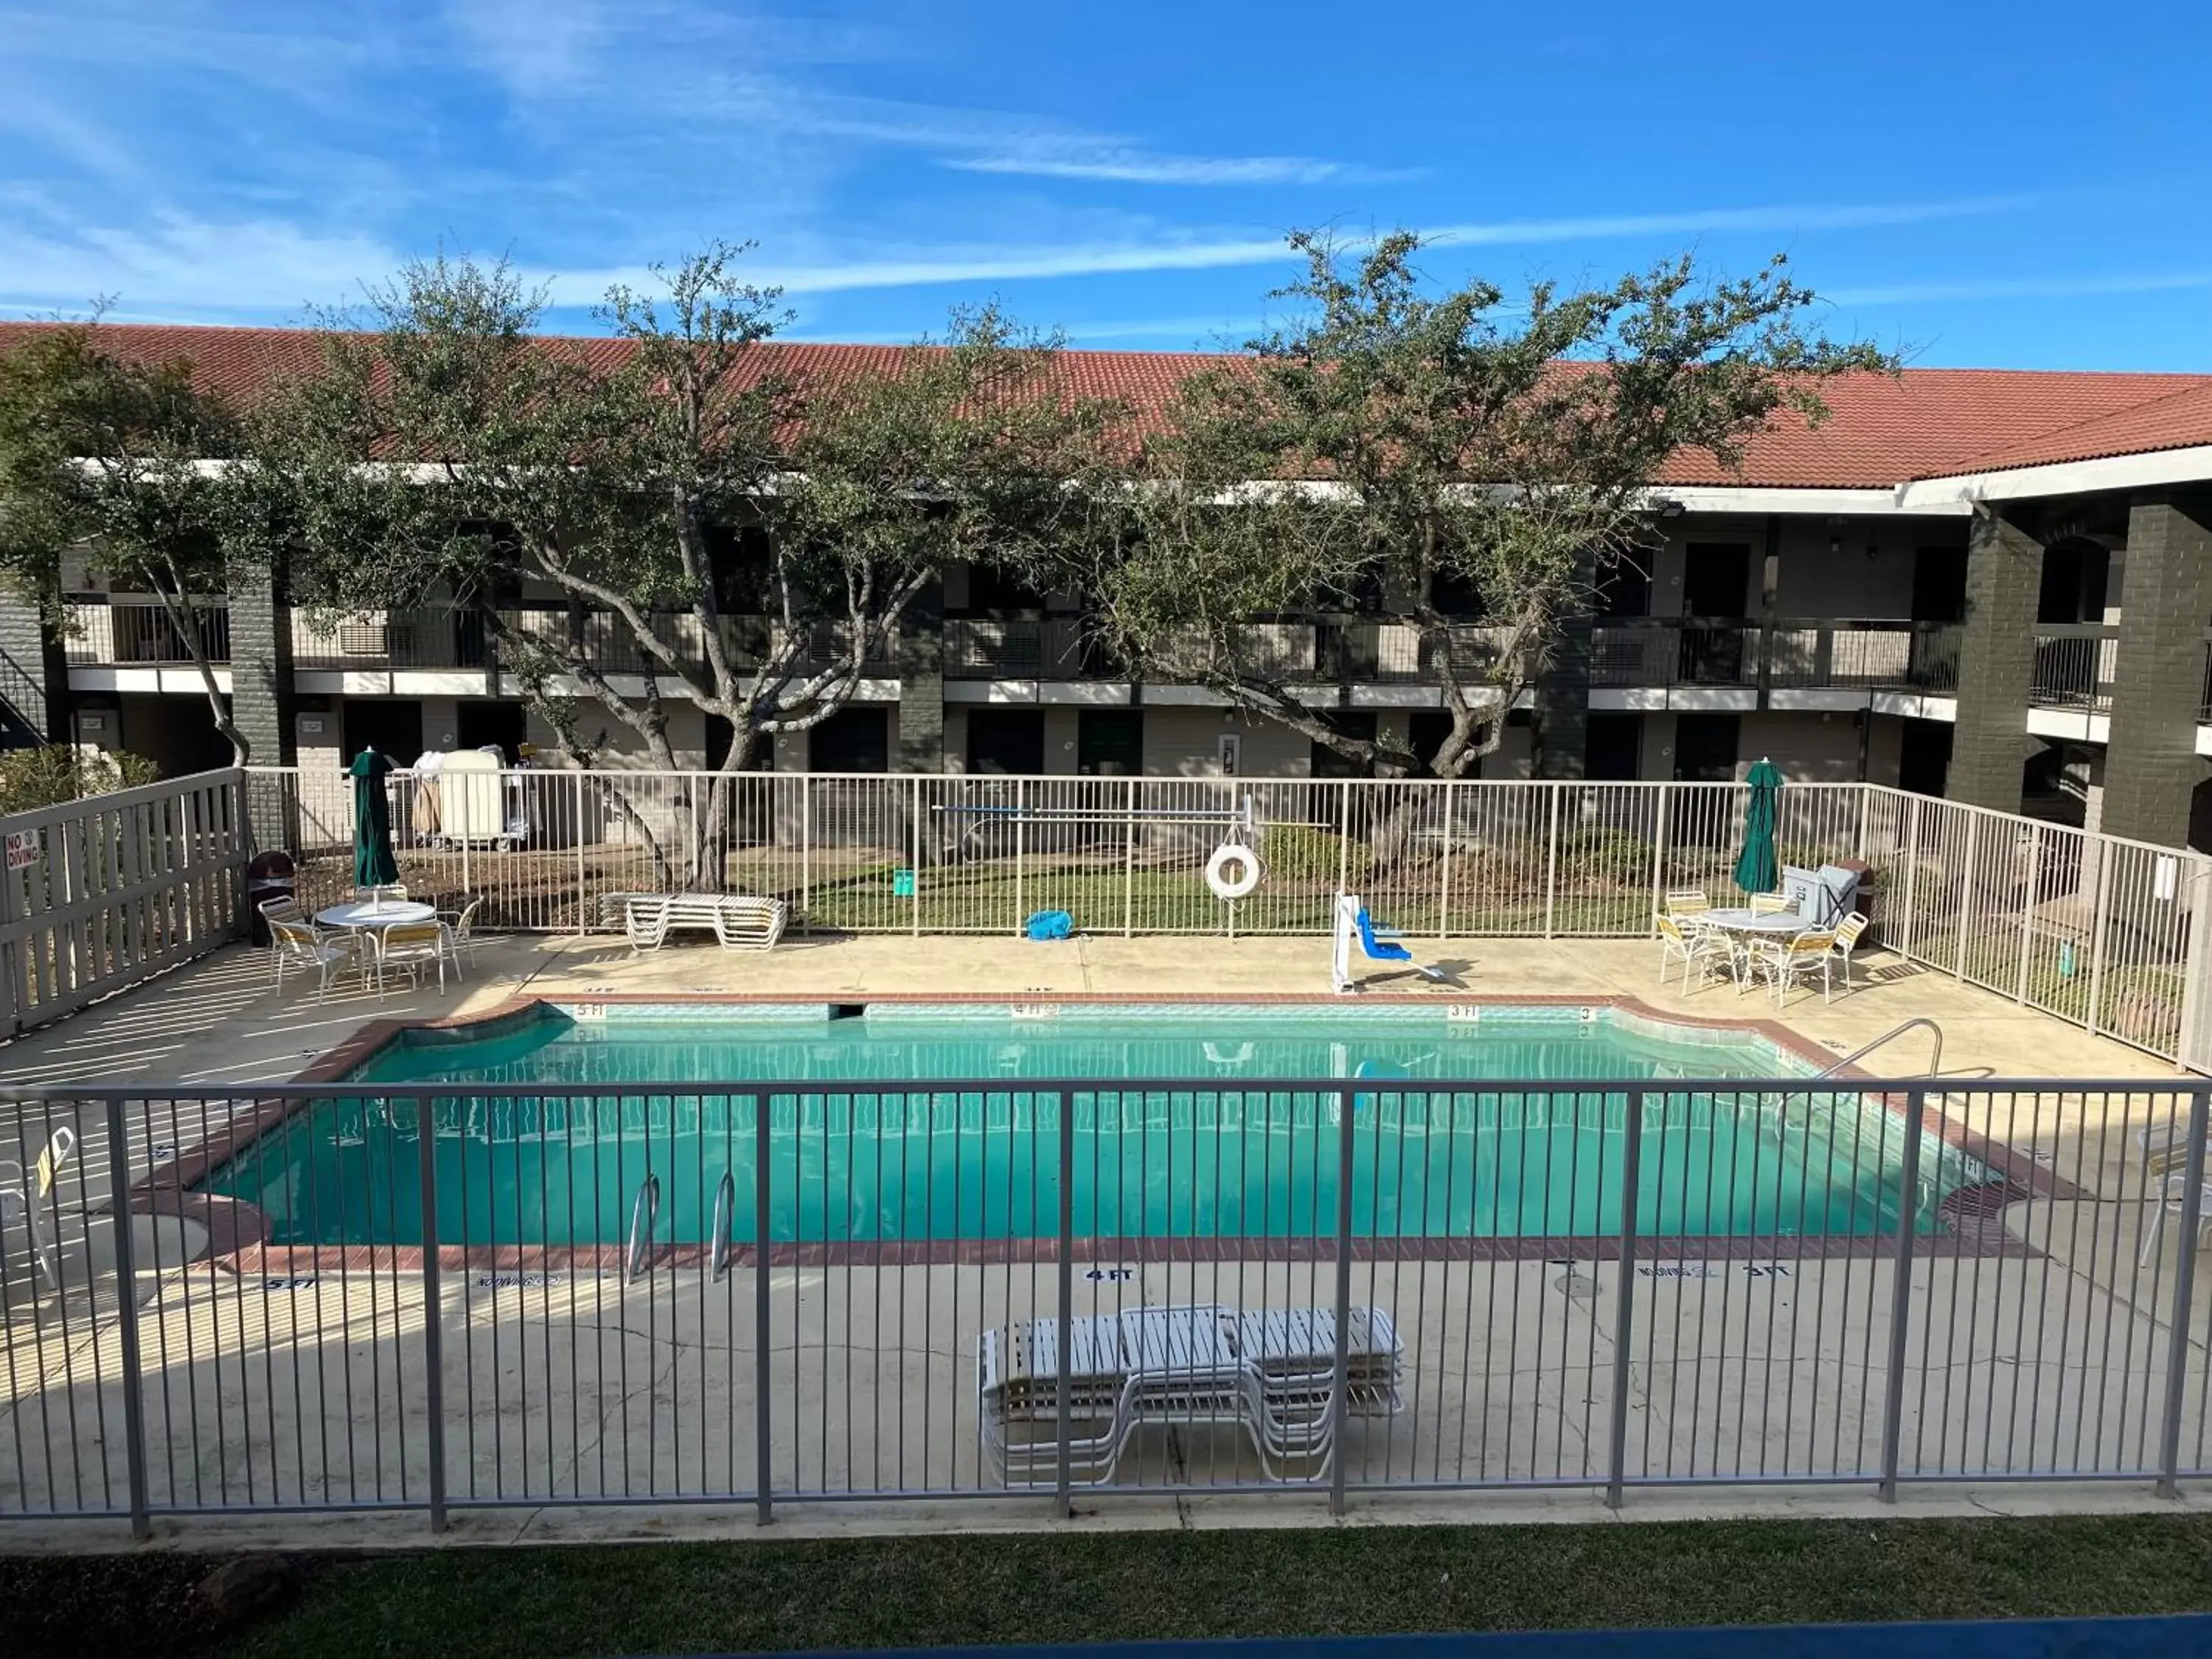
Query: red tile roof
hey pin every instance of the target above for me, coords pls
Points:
(1880, 432)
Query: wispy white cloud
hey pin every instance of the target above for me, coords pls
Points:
(1976, 289)
(181, 266)
(925, 267)
(1120, 165)
(263, 265)
(1775, 221)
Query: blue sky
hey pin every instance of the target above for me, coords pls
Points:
(1976, 183)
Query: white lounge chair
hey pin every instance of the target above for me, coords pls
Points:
(739, 921)
(1271, 1371)
(1019, 1385)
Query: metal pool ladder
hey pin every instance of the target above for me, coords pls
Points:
(644, 1210)
(1934, 1057)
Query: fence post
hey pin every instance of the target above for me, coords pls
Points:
(1966, 892)
(1064, 1505)
(1021, 853)
(583, 883)
(2184, 1284)
(2099, 919)
(915, 824)
(1909, 927)
(1340, 1394)
(1624, 1316)
(1552, 859)
(2027, 911)
(1344, 835)
(1659, 858)
(1129, 861)
(806, 853)
(1443, 877)
(1900, 1297)
(433, 1335)
(126, 1292)
(763, 1444)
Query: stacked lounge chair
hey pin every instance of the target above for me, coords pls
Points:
(1270, 1371)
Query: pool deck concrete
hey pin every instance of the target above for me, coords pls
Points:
(576, 1385)
(220, 1020)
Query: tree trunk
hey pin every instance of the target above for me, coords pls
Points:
(185, 618)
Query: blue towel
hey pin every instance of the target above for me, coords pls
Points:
(1050, 925)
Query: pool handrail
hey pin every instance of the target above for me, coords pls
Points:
(644, 1210)
(725, 1207)
(1934, 1056)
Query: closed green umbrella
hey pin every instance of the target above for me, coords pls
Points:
(1756, 870)
(373, 863)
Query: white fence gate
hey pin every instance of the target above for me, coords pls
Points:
(98, 893)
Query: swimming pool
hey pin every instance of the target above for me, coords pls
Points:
(1463, 1126)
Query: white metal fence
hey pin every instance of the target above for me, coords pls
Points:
(98, 893)
(2094, 929)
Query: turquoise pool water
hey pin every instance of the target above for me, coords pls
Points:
(1460, 1128)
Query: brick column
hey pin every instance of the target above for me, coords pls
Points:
(922, 683)
(33, 676)
(261, 701)
(1560, 738)
(2151, 764)
(1997, 664)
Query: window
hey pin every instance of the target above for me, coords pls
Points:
(1705, 748)
(1110, 743)
(1939, 585)
(738, 556)
(992, 591)
(1613, 748)
(1008, 742)
(1624, 587)
(851, 740)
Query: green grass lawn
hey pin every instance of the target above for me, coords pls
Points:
(755, 1594)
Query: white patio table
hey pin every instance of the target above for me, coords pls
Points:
(1749, 926)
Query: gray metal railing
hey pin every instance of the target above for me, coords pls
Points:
(1920, 1023)
(1315, 1288)
(1814, 653)
(137, 627)
(2074, 666)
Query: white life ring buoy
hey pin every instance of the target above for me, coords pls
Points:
(1233, 871)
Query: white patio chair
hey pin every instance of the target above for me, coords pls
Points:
(460, 924)
(27, 1199)
(282, 909)
(1806, 954)
(1686, 902)
(1769, 904)
(1848, 932)
(412, 946)
(2174, 1199)
(1688, 943)
(301, 946)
